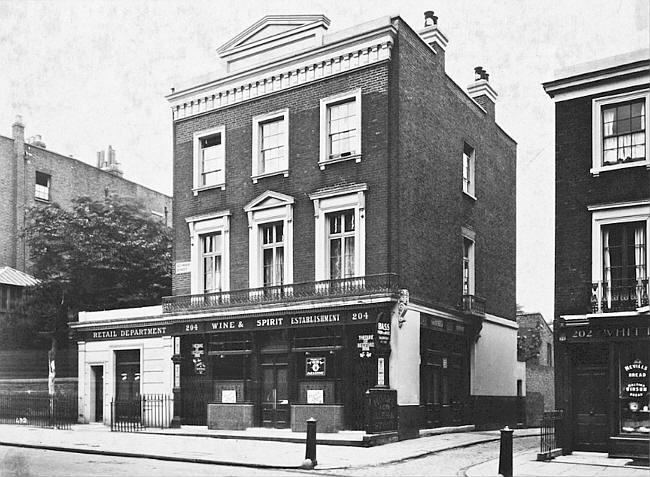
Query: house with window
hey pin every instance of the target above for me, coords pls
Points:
(344, 219)
(31, 175)
(601, 327)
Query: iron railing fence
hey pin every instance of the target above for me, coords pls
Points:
(52, 411)
(551, 434)
(368, 284)
(619, 295)
(141, 412)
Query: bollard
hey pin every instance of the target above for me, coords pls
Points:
(505, 454)
(310, 452)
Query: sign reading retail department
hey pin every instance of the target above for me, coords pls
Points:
(236, 324)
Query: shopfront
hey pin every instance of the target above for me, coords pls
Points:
(278, 370)
(602, 370)
(444, 372)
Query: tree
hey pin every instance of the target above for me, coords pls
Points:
(101, 254)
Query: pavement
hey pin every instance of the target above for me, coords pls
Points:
(263, 448)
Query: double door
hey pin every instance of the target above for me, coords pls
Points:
(275, 407)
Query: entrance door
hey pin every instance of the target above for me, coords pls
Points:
(275, 391)
(98, 412)
(590, 406)
(127, 386)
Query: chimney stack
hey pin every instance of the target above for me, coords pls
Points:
(433, 37)
(482, 92)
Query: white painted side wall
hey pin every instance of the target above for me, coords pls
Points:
(404, 366)
(520, 373)
(493, 370)
(156, 370)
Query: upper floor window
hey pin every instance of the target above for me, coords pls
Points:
(209, 252)
(340, 128)
(211, 249)
(270, 240)
(271, 144)
(10, 297)
(341, 244)
(620, 256)
(549, 354)
(42, 187)
(340, 232)
(209, 159)
(468, 266)
(273, 253)
(468, 169)
(620, 132)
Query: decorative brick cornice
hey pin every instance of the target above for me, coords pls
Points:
(227, 91)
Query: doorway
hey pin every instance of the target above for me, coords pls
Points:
(97, 413)
(275, 390)
(590, 397)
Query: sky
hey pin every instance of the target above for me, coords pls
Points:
(86, 74)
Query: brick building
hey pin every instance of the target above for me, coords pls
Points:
(535, 349)
(602, 332)
(32, 175)
(344, 219)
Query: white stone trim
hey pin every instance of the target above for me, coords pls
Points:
(283, 75)
(259, 212)
(614, 215)
(597, 142)
(282, 114)
(334, 200)
(208, 223)
(325, 103)
(196, 170)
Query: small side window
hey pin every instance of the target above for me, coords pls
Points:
(42, 188)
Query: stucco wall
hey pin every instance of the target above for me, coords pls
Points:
(155, 368)
(404, 367)
(494, 359)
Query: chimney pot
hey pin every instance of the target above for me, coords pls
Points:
(19, 121)
(430, 19)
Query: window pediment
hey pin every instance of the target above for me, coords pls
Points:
(268, 200)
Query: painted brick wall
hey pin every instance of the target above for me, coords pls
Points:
(575, 189)
(435, 119)
(304, 178)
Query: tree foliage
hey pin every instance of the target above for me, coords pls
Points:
(100, 254)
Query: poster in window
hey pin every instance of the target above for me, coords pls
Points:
(315, 367)
(197, 358)
(228, 396)
(314, 396)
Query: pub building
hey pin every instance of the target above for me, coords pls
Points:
(602, 321)
(340, 252)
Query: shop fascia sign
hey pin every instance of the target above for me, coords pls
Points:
(601, 332)
(237, 324)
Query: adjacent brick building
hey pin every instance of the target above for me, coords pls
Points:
(32, 175)
(344, 222)
(535, 349)
(602, 332)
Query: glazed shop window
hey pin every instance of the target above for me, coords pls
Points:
(634, 381)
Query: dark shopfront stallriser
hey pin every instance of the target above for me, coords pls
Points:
(238, 379)
(602, 377)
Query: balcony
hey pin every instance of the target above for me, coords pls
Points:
(619, 295)
(473, 305)
(345, 287)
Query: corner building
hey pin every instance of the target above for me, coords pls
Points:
(601, 328)
(344, 219)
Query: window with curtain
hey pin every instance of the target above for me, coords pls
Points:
(623, 127)
(624, 260)
(211, 247)
(468, 266)
(341, 244)
(273, 254)
(342, 131)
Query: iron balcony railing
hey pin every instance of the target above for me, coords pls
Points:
(366, 285)
(619, 295)
(474, 305)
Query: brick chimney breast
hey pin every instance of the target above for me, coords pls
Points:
(433, 37)
(482, 92)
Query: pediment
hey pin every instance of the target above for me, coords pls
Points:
(281, 33)
(267, 200)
